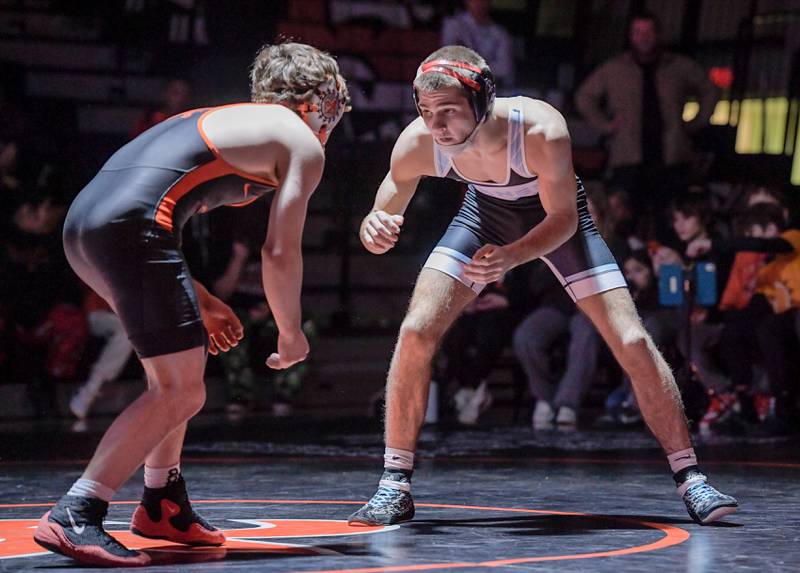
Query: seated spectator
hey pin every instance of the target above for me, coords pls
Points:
(113, 357)
(43, 322)
(621, 407)
(621, 221)
(779, 283)
(240, 285)
(758, 313)
(558, 397)
(10, 188)
(176, 98)
(470, 351)
(609, 215)
(754, 194)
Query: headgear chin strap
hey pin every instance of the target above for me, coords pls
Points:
(328, 104)
(479, 84)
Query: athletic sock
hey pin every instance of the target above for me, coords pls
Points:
(156, 478)
(685, 471)
(682, 459)
(90, 488)
(398, 467)
(394, 459)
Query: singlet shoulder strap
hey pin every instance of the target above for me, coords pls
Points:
(443, 163)
(516, 141)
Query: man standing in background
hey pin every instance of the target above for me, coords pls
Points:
(636, 100)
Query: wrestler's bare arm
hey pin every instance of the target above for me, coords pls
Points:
(548, 153)
(300, 164)
(412, 158)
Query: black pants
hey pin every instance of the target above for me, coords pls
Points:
(757, 334)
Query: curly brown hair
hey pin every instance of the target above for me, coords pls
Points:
(289, 73)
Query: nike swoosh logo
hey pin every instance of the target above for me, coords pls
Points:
(78, 529)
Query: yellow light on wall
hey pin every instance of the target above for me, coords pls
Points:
(751, 127)
(795, 177)
(734, 113)
(776, 110)
(690, 110)
(792, 127)
(722, 113)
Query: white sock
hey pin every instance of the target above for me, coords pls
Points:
(156, 478)
(394, 459)
(90, 488)
(682, 459)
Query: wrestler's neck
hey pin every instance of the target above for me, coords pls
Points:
(490, 137)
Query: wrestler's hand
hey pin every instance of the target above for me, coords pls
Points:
(223, 326)
(291, 350)
(379, 231)
(489, 264)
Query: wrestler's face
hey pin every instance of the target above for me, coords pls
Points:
(687, 227)
(637, 274)
(447, 115)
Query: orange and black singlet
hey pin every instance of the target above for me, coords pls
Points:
(122, 232)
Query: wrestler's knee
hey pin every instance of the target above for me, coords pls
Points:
(183, 399)
(418, 334)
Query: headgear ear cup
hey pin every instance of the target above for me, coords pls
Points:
(328, 104)
(479, 83)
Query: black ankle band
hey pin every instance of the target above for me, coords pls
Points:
(685, 474)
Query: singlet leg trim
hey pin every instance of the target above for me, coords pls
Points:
(451, 263)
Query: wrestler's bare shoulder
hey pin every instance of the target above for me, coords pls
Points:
(540, 117)
(415, 140)
(255, 125)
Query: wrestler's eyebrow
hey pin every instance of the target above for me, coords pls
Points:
(445, 103)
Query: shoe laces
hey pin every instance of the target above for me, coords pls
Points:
(701, 494)
(385, 495)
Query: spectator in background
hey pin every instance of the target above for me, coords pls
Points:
(621, 221)
(39, 302)
(641, 277)
(12, 129)
(471, 348)
(10, 188)
(756, 194)
(177, 97)
(779, 283)
(692, 222)
(743, 311)
(113, 357)
(558, 398)
(636, 99)
(474, 28)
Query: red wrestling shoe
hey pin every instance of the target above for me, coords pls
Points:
(166, 513)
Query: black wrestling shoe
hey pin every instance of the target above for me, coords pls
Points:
(74, 528)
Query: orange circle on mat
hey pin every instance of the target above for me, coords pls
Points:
(672, 535)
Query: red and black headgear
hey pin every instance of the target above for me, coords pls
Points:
(477, 81)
